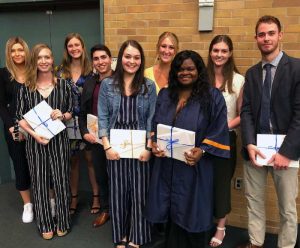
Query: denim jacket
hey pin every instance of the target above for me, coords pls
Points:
(109, 100)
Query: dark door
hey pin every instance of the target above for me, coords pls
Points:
(48, 22)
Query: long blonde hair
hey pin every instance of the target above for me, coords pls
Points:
(173, 37)
(32, 72)
(67, 59)
(10, 65)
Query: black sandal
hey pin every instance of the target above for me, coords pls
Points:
(73, 210)
(95, 208)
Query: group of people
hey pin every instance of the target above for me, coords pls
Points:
(179, 91)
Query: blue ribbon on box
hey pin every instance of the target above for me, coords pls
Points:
(276, 148)
(75, 127)
(171, 142)
(44, 123)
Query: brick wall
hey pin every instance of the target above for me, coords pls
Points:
(145, 20)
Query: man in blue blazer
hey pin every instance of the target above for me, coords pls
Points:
(278, 115)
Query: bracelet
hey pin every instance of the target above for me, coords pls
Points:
(107, 149)
(149, 149)
(16, 132)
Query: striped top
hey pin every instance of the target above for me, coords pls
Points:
(128, 115)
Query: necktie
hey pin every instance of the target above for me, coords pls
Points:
(265, 102)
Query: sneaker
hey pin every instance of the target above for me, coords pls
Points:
(27, 216)
(52, 204)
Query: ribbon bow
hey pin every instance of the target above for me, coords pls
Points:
(275, 147)
(171, 142)
(125, 143)
(44, 123)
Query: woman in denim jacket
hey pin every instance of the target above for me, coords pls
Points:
(127, 101)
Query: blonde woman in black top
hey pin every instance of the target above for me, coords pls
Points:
(12, 77)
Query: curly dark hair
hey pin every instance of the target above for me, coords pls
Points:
(201, 87)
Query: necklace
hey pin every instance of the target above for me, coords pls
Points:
(45, 88)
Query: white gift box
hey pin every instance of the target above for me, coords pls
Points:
(92, 126)
(73, 128)
(269, 144)
(175, 141)
(40, 121)
(128, 143)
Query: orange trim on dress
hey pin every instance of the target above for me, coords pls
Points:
(216, 144)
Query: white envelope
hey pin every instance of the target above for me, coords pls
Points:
(73, 128)
(92, 126)
(269, 144)
(40, 121)
(128, 143)
(182, 140)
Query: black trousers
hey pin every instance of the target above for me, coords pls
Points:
(223, 172)
(100, 167)
(17, 153)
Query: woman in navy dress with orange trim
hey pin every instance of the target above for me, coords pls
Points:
(180, 192)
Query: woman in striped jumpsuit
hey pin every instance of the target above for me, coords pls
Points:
(48, 160)
(127, 101)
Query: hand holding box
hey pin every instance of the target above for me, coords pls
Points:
(128, 143)
(269, 145)
(40, 121)
(92, 126)
(175, 141)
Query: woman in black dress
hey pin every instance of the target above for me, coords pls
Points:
(49, 160)
(11, 79)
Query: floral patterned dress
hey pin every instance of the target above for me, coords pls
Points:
(77, 88)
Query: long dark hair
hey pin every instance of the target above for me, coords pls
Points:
(138, 80)
(228, 69)
(201, 87)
